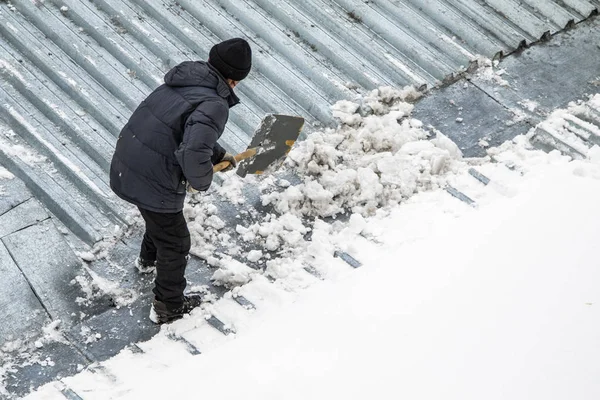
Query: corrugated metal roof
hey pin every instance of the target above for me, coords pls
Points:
(73, 71)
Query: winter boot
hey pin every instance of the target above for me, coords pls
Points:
(145, 266)
(160, 313)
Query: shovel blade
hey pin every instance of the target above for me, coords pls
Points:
(273, 139)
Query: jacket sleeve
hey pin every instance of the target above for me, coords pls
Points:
(195, 154)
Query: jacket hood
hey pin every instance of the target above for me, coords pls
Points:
(200, 73)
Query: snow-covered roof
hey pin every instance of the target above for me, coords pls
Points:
(73, 71)
(64, 101)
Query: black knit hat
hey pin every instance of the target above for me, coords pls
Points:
(232, 58)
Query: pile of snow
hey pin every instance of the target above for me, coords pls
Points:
(378, 157)
(205, 230)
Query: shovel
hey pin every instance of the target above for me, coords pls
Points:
(271, 142)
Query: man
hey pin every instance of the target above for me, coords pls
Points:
(171, 141)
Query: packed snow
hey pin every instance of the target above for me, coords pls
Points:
(509, 282)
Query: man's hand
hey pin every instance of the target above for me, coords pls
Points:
(232, 162)
(191, 190)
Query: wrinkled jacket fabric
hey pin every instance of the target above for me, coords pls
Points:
(171, 139)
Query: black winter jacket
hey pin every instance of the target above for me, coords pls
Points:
(172, 138)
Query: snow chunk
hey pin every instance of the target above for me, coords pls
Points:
(357, 223)
(215, 222)
(87, 256)
(254, 255)
(232, 273)
(289, 273)
(444, 142)
(345, 111)
(231, 188)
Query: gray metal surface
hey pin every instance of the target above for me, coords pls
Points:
(50, 267)
(22, 216)
(51, 362)
(549, 76)
(71, 71)
(22, 312)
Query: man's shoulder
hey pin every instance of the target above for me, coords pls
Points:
(216, 109)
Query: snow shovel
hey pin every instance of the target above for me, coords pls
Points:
(272, 141)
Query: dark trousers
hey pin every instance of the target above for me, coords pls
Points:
(167, 240)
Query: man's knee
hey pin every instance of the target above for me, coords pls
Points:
(186, 245)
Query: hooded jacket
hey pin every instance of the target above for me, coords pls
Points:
(171, 139)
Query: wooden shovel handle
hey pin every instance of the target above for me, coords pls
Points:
(239, 157)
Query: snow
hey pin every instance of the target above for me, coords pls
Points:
(488, 71)
(345, 111)
(5, 174)
(28, 348)
(21, 152)
(98, 285)
(52, 333)
(529, 105)
(375, 159)
(254, 255)
(451, 301)
(454, 302)
(231, 273)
